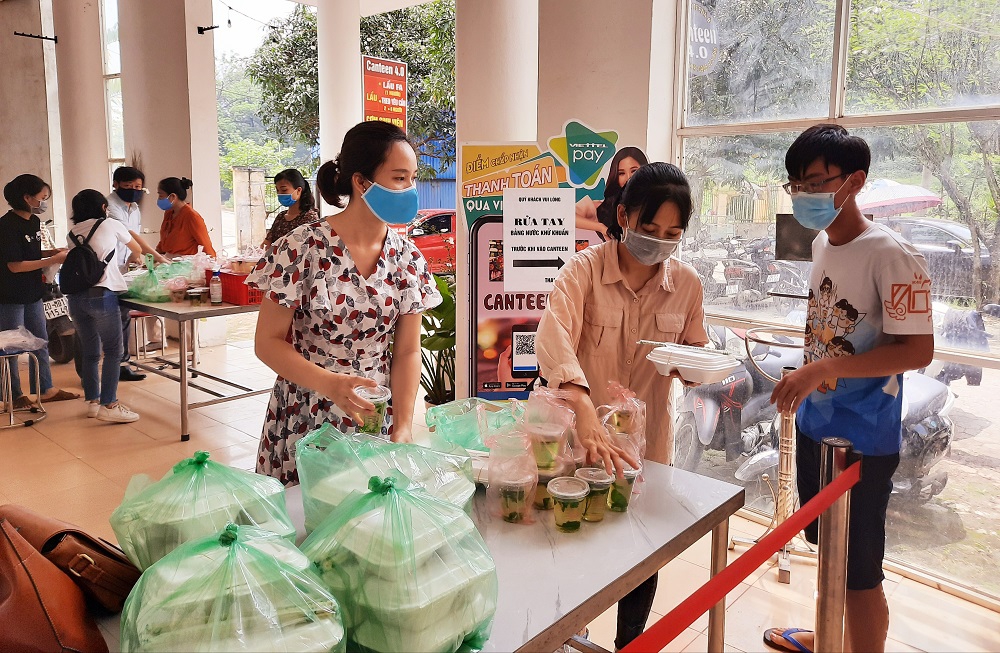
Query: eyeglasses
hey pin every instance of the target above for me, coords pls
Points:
(809, 186)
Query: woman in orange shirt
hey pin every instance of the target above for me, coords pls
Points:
(183, 228)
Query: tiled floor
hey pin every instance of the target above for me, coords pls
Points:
(77, 469)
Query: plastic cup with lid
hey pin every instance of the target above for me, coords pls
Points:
(600, 484)
(568, 497)
(545, 440)
(379, 396)
(621, 490)
(515, 495)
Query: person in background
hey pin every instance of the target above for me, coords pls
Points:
(337, 293)
(607, 298)
(294, 194)
(851, 382)
(600, 216)
(183, 229)
(123, 205)
(95, 311)
(21, 286)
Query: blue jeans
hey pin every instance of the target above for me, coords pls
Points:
(32, 318)
(99, 324)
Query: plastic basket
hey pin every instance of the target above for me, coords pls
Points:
(234, 291)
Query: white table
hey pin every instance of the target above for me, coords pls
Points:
(552, 584)
(182, 314)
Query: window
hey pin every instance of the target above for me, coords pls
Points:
(920, 81)
(113, 84)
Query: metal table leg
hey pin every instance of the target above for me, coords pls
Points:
(182, 338)
(717, 613)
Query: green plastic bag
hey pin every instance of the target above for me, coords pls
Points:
(332, 464)
(180, 269)
(148, 287)
(410, 571)
(468, 423)
(196, 498)
(245, 589)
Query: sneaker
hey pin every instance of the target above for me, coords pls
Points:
(92, 408)
(117, 413)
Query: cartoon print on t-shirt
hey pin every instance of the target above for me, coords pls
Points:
(831, 320)
(910, 298)
(837, 347)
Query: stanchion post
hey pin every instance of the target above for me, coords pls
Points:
(786, 482)
(833, 531)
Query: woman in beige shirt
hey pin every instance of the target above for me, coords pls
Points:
(605, 299)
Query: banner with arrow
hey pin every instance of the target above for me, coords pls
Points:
(539, 236)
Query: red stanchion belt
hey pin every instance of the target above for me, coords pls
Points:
(671, 625)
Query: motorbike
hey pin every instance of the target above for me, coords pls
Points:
(736, 416)
(960, 329)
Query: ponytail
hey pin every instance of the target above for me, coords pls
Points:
(366, 147)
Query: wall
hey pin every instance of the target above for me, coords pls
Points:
(24, 142)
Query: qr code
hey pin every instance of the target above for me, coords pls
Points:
(524, 344)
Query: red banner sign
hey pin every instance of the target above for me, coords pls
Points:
(385, 90)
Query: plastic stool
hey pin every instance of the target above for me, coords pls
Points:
(7, 359)
(139, 325)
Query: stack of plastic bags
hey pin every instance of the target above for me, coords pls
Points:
(410, 571)
(469, 423)
(197, 498)
(332, 465)
(245, 589)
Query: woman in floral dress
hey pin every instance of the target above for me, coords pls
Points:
(337, 293)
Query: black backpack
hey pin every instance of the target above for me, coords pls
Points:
(82, 269)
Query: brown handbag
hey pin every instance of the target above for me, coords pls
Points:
(99, 568)
(41, 610)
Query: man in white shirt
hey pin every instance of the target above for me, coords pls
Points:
(123, 205)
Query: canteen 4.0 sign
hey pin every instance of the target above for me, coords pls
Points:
(385, 90)
(703, 48)
(539, 236)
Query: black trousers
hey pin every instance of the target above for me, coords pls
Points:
(633, 611)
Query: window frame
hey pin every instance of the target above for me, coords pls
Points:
(113, 161)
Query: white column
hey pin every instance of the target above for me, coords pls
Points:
(496, 100)
(168, 93)
(81, 97)
(341, 94)
(496, 72)
(665, 83)
(594, 65)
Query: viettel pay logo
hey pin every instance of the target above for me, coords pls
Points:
(584, 152)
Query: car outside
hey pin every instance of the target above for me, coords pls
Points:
(433, 232)
(947, 247)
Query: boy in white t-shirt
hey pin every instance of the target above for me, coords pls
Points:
(869, 320)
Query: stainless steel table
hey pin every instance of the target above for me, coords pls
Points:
(182, 314)
(552, 584)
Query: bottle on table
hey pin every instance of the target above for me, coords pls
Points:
(215, 289)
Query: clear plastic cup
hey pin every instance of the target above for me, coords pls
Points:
(380, 396)
(621, 490)
(568, 495)
(545, 443)
(514, 498)
(600, 484)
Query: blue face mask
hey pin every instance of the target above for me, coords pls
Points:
(815, 210)
(164, 204)
(286, 200)
(392, 206)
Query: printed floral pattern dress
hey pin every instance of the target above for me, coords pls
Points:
(343, 322)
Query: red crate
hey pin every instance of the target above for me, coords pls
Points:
(234, 291)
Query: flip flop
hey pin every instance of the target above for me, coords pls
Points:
(22, 402)
(62, 395)
(795, 647)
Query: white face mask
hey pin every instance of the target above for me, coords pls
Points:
(42, 207)
(647, 249)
